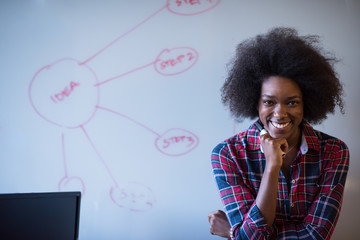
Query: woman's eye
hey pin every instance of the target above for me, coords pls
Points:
(293, 103)
(268, 102)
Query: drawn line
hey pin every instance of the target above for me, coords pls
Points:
(123, 74)
(130, 119)
(102, 160)
(123, 35)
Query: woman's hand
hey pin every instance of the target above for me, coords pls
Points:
(219, 224)
(273, 149)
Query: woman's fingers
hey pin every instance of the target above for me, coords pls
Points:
(273, 148)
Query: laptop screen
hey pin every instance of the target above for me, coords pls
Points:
(40, 216)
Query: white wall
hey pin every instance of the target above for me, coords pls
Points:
(88, 102)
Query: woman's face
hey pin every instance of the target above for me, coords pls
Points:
(281, 108)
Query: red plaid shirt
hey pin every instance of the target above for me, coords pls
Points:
(308, 211)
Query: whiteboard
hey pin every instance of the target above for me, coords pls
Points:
(121, 100)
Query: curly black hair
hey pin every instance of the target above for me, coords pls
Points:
(282, 52)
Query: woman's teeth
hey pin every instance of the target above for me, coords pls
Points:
(280, 125)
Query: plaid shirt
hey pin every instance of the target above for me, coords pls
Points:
(308, 211)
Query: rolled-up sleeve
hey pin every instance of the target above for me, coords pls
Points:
(237, 197)
(325, 210)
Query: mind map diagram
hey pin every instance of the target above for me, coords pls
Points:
(69, 85)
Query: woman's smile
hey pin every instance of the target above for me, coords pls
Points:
(280, 125)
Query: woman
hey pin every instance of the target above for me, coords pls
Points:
(280, 179)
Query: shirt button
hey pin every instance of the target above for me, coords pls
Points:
(293, 181)
(292, 204)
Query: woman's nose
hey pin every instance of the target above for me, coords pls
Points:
(280, 111)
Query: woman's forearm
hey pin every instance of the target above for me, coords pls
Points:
(267, 195)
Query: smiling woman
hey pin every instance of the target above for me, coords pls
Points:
(271, 177)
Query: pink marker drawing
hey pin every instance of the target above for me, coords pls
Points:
(191, 7)
(176, 60)
(66, 93)
(63, 88)
(69, 182)
(176, 142)
(133, 196)
(168, 62)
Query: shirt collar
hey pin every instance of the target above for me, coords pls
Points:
(304, 147)
(309, 138)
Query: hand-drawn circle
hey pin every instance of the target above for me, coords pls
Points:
(176, 142)
(133, 196)
(176, 60)
(63, 93)
(190, 7)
